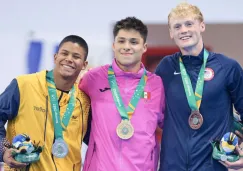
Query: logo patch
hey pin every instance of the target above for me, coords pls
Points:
(208, 74)
(177, 73)
(105, 89)
(39, 109)
(146, 95)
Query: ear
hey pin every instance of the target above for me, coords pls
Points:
(171, 34)
(145, 47)
(85, 65)
(114, 49)
(55, 57)
(113, 46)
(202, 27)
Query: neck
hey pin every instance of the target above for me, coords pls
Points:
(131, 68)
(193, 51)
(62, 83)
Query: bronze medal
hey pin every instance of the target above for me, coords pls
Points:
(125, 130)
(195, 120)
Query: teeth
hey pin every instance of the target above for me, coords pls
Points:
(66, 66)
(184, 38)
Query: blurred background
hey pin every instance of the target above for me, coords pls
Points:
(31, 30)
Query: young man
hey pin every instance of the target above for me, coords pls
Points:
(201, 88)
(127, 105)
(27, 106)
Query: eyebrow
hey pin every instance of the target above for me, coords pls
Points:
(64, 50)
(133, 38)
(181, 23)
(191, 21)
(176, 25)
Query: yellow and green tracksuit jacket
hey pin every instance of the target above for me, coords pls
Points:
(26, 105)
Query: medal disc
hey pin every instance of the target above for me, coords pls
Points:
(59, 148)
(125, 129)
(223, 157)
(195, 120)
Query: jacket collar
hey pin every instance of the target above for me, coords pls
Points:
(118, 72)
(193, 59)
(41, 76)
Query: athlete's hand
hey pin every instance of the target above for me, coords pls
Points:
(81, 74)
(9, 160)
(237, 164)
(240, 136)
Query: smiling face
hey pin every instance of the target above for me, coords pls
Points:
(70, 60)
(186, 32)
(128, 48)
(186, 24)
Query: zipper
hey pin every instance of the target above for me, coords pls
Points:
(74, 167)
(53, 161)
(52, 157)
(188, 151)
(28, 167)
(81, 108)
(120, 153)
(60, 97)
(45, 119)
(45, 131)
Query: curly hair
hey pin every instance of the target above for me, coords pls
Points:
(131, 23)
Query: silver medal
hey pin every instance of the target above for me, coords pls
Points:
(59, 148)
(223, 157)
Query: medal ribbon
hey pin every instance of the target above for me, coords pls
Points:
(58, 126)
(117, 97)
(194, 100)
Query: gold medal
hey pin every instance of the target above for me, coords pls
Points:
(195, 120)
(125, 129)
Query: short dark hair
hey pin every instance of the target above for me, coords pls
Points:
(76, 39)
(131, 23)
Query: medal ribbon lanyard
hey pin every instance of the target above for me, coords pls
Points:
(58, 126)
(194, 100)
(117, 97)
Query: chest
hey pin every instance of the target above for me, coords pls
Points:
(214, 87)
(104, 108)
